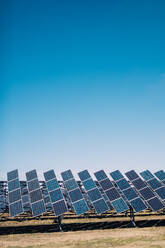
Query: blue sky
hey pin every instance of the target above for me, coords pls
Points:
(82, 85)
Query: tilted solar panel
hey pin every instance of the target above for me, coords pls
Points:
(78, 202)
(116, 201)
(55, 193)
(148, 195)
(156, 185)
(93, 192)
(132, 175)
(14, 194)
(146, 175)
(116, 175)
(130, 194)
(35, 194)
(160, 175)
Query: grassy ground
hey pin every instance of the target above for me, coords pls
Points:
(148, 237)
(153, 237)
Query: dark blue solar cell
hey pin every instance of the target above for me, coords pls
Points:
(116, 175)
(59, 208)
(131, 175)
(35, 195)
(84, 175)
(15, 209)
(154, 183)
(56, 195)
(75, 195)
(94, 194)
(161, 192)
(123, 184)
(138, 205)
(71, 184)
(66, 175)
(48, 175)
(38, 208)
(31, 175)
(147, 193)
(112, 194)
(130, 194)
(160, 174)
(52, 185)
(14, 195)
(89, 184)
(139, 184)
(14, 184)
(33, 184)
(146, 175)
(100, 175)
(100, 206)
(80, 207)
(155, 204)
(120, 205)
(25, 198)
(106, 184)
(12, 175)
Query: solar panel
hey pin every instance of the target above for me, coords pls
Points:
(148, 195)
(116, 201)
(78, 202)
(155, 184)
(35, 194)
(93, 192)
(128, 192)
(146, 175)
(116, 175)
(132, 175)
(54, 193)
(139, 183)
(14, 194)
(160, 175)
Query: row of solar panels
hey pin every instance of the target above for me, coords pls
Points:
(146, 191)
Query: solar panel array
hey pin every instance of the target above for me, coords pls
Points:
(3, 198)
(154, 183)
(14, 194)
(129, 192)
(25, 197)
(160, 175)
(148, 195)
(78, 202)
(55, 193)
(93, 192)
(111, 192)
(35, 194)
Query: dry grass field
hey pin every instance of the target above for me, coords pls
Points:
(142, 237)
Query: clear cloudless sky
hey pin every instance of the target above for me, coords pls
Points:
(82, 85)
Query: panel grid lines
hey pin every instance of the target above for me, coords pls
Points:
(93, 192)
(78, 202)
(129, 192)
(35, 194)
(149, 196)
(56, 197)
